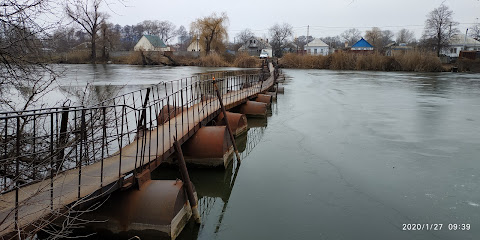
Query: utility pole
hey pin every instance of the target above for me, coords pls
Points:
(465, 42)
(308, 30)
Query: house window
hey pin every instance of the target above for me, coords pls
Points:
(321, 50)
(315, 51)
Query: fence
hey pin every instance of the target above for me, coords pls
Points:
(83, 149)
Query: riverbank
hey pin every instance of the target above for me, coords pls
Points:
(412, 62)
(408, 62)
(241, 60)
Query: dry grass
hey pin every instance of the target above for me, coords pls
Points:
(343, 61)
(74, 57)
(243, 60)
(292, 60)
(417, 61)
(212, 60)
(410, 61)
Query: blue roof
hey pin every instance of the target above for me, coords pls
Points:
(362, 43)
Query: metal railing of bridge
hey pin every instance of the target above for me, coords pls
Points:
(37, 146)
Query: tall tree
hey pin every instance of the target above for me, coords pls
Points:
(440, 27)
(244, 35)
(301, 41)
(387, 37)
(183, 38)
(24, 76)
(351, 36)
(279, 35)
(333, 42)
(212, 31)
(405, 36)
(166, 30)
(475, 32)
(374, 37)
(87, 14)
(109, 38)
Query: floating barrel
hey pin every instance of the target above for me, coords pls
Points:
(168, 112)
(264, 98)
(253, 108)
(237, 122)
(209, 147)
(273, 94)
(160, 205)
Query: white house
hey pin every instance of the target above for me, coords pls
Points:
(151, 43)
(317, 47)
(195, 46)
(460, 42)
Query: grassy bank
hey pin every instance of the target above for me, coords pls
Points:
(241, 60)
(410, 61)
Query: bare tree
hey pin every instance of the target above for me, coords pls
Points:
(183, 38)
(374, 37)
(166, 30)
(244, 35)
(387, 38)
(212, 31)
(279, 37)
(24, 76)
(440, 27)
(109, 39)
(87, 14)
(405, 36)
(301, 41)
(475, 32)
(351, 36)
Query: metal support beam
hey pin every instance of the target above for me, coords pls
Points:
(186, 180)
(226, 120)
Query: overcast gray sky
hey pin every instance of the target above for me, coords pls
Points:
(326, 18)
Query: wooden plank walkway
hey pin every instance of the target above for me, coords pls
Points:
(35, 200)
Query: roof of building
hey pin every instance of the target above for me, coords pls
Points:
(317, 43)
(155, 41)
(259, 44)
(459, 39)
(362, 43)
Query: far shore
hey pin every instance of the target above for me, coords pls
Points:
(408, 62)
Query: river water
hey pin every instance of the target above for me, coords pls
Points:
(345, 155)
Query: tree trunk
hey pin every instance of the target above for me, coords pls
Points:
(94, 48)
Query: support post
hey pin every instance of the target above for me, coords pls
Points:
(141, 125)
(226, 120)
(186, 180)
(62, 140)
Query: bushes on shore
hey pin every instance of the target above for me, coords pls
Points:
(410, 61)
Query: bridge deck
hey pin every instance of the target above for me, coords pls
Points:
(35, 199)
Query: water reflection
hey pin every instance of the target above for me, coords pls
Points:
(214, 186)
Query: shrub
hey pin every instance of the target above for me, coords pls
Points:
(212, 60)
(243, 60)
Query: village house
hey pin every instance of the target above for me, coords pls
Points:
(395, 49)
(460, 42)
(195, 46)
(254, 46)
(151, 43)
(317, 47)
(362, 46)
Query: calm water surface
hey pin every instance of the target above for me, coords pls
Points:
(347, 155)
